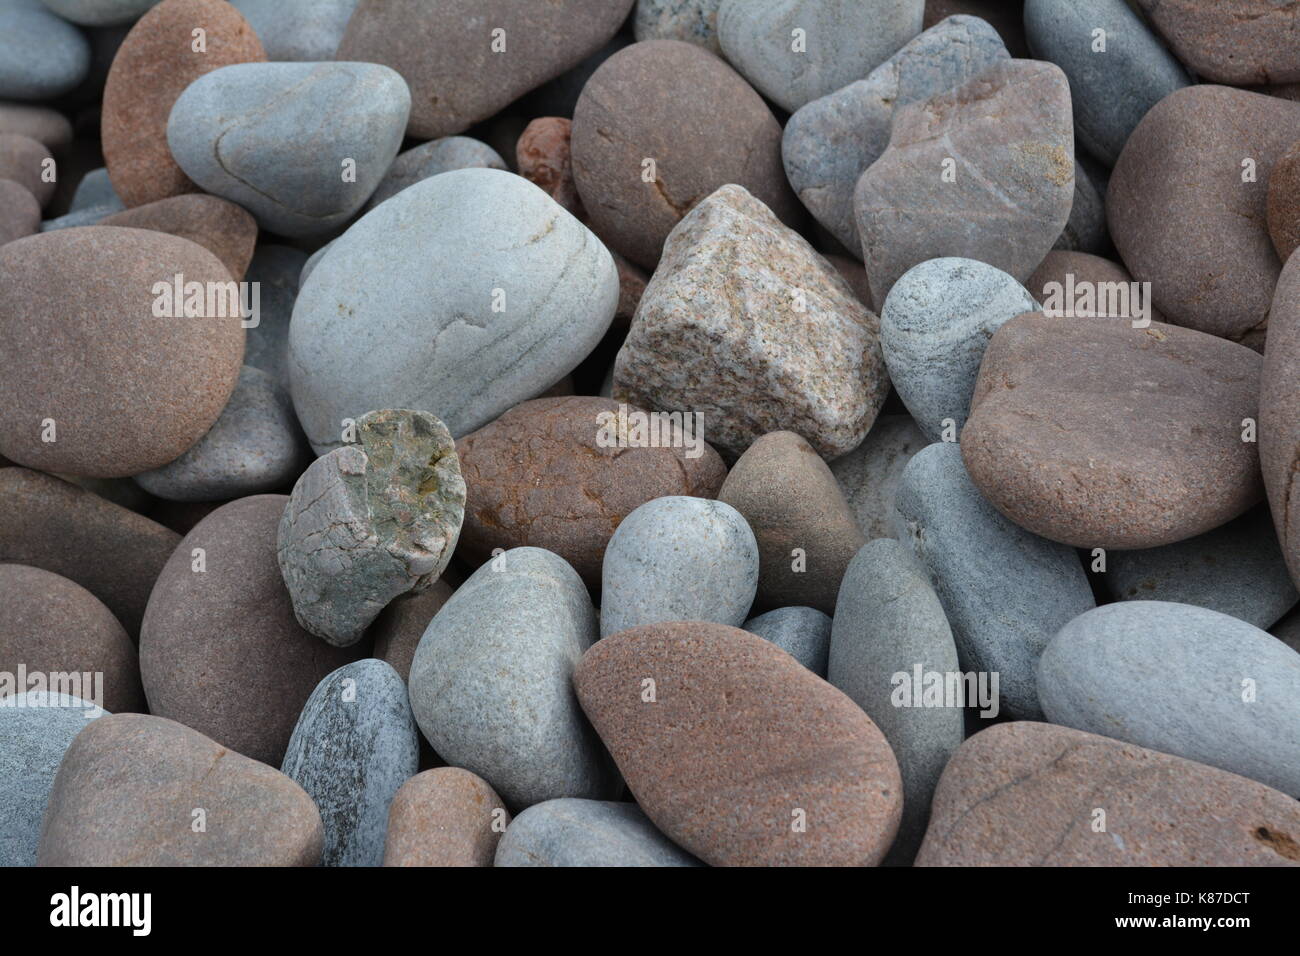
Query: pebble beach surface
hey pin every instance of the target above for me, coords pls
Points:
(620, 433)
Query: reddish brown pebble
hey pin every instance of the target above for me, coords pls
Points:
(144, 387)
(1279, 413)
(1284, 203)
(228, 231)
(806, 531)
(542, 154)
(1028, 794)
(153, 66)
(444, 817)
(113, 553)
(132, 791)
(51, 625)
(741, 755)
(1231, 41)
(1096, 434)
(29, 164)
(220, 649)
(20, 213)
(1187, 201)
(548, 474)
(47, 126)
(659, 101)
(399, 627)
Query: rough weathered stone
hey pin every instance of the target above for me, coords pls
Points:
(451, 56)
(445, 817)
(1053, 445)
(370, 521)
(1009, 136)
(746, 324)
(1231, 41)
(660, 101)
(1025, 794)
(1185, 218)
(354, 745)
(126, 793)
(573, 832)
(769, 744)
(51, 625)
(869, 475)
(220, 650)
(543, 156)
(693, 21)
(224, 229)
(154, 65)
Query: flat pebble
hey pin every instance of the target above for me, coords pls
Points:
(28, 163)
(42, 123)
(41, 55)
(445, 817)
(100, 13)
(802, 632)
(95, 189)
(575, 832)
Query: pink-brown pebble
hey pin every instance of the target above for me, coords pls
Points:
(226, 230)
(29, 164)
(20, 213)
(445, 817)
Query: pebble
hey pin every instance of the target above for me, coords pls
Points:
(1198, 235)
(459, 70)
(490, 683)
(1013, 180)
(47, 126)
(224, 229)
(95, 189)
(575, 832)
(51, 625)
(431, 158)
(26, 162)
(869, 475)
(445, 817)
(41, 55)
(20, 213)
(802, 632)
(276, 270)
(1025, 794)
(89, 216)
(35, 731)
(371, 521)
(889, 627)
(1236, 569)
(1074, 269)
(778, 767)
(832, 140)
(373, 327)
(678, 558)
(167, 389)
(692, 21)
(354, 745)
(744, 323)
(659, 101)
(165, 778)
(1279, 412)
(1283, 208)
(1085, 230)
(397, 630)
(839, 41)
(1063, 450)
(154, 65)
(934, 328)
(806, 532)
(220, 651)
(254, 447)
(1111, 88)
(549, 474)
(112, 552)
(304, 30)
(1237, 42)
(543, 156)
(1006, 18)
(100, 13)
(345, 121)
(1005, 591)
(1182, 680)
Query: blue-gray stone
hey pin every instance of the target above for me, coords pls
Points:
(679, 559)
(1085, 230)
(889, 622)
(255, 446)
(299, 145)
(1005, 591)
(36, 729)
(95, 189)
(430, 159)
(305, 30)
(354, 745)
(1182, 680)
(1236, 569)
(88, 216)
(802, 632)
(869, 474)
(41, 54)
(310, 265)
(1111, 90)
(277, 271)
(691, 21)
(829, 142)
(573, 832)
(101, 13)
(934, 327)
(532, 293)
(491, 682)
